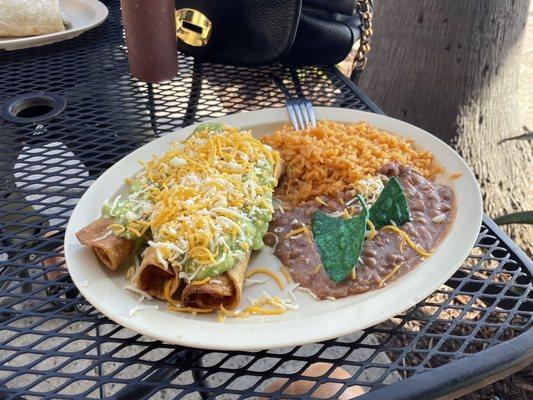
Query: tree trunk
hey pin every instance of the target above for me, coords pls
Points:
(451, 68)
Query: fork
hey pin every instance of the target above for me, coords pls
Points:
(300, 109)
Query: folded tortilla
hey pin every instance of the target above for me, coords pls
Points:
(30, 17)
(228, 292)
(112, 250)
(153, 278)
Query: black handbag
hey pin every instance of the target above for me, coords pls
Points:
(260, 32)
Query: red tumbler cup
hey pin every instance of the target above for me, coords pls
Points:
(150, 27)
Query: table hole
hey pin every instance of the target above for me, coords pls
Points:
(33, 107)
(35, 111)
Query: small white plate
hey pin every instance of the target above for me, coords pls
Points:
(83, 15)
(315, 320)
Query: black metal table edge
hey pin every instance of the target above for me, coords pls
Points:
(463, 375)
(362, 95)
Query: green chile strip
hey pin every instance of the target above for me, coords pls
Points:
(391, 206)
(339, 242)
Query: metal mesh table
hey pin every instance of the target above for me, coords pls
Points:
(53, 344)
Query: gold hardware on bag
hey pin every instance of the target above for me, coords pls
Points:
(192, 27)
(364, 8)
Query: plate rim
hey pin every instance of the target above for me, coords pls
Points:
(25, 42)
(293, 340)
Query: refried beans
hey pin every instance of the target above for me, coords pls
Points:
(383, 258)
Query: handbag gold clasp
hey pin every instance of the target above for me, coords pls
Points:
(192, 27)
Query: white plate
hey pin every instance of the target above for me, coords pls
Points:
(314, 321)
(83, 15)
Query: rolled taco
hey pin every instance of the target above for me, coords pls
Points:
(200, 208)
(112, 250)
(113, 236)
(155, 278)
(224, 289)
(210, 218)
(30, 17)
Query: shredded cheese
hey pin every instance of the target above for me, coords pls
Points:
(317, 269)
(192, 310)
(138, 291)
(408, 240)
(305, 230)
(262, 311)
(168, 295)
(287, 304)
(220, 315)
(201, 282)
(319, 200)
(268, 272)
(291, 290)
(370, 188)
(294, 232)
(134, 231)
(352, 200)
(390, 274)
(308, 291)
(353, 274)
(201, 193)
(257, 308)
(373, 231)
(117, 229)
(251, 281)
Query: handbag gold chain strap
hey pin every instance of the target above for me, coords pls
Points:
(364, 8)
